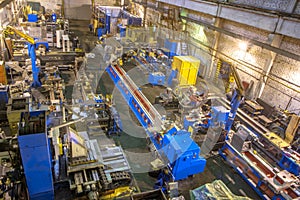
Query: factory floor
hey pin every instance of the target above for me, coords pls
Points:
(216, 167)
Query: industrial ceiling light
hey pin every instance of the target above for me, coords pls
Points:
(243, 46)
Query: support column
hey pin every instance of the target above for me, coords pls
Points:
(145, 13)
(2, 47)
(276, 41)
(209, 71)
(63, 8)
(14, 11)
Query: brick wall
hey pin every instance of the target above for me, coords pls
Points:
(276, 5)
(287, 69)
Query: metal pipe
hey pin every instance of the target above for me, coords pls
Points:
(67, 123)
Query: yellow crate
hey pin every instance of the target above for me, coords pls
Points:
(183, 70)
(187, 67)
(179, 62)
(195, 64)
(183, 76)
(192, 76)
(176, 64)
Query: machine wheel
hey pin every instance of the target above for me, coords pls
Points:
(278, 130)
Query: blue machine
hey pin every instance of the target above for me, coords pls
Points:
(122, 30)
(180, 151)
(36, 156)
(132, 19)
(268, 182)
(156, 78)
(117, 122)
(100, 32)
(261, 176)
(107, 22)
(237, 97)
(166, 52)
(220, 115)
(3, 96)
(171, 46)
(98, 99)
(54, 17)
(149, 63)
(234, 105)
(32, 17)
(290, 164)
(172, 76)
(35, 70)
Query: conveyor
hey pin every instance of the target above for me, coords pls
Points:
(175, 146)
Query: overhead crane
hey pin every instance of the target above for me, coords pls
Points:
(175, 146)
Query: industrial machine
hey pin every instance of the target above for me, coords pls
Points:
(237, 97)
(60, 155)
(272, 144)
(107, 18)
(71, 163)
(268, 181)
(32, 45)
(92, 169)
(150, 64)
(36, 155)
(262, 159)
(63, 156)
(174, 145)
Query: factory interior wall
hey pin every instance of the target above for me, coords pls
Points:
(282, 86)
(50, 5)
(75, 9)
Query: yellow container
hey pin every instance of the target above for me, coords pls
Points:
(192, 76)
(187, 67)
(195, 64)
(177, 61)
(183, 75)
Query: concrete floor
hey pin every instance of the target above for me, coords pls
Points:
(216, 167)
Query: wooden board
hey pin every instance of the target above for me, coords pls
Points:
(292, 128)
